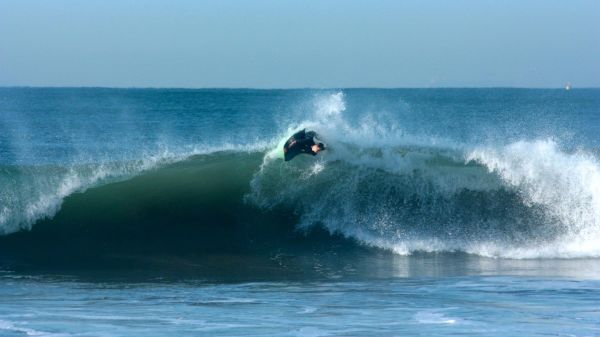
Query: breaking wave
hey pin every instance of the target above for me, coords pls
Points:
(377, 184)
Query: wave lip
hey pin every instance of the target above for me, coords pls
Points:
(34, 193)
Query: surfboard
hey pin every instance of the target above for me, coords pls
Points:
(279, 150)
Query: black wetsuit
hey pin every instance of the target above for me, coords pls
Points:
(300, 142)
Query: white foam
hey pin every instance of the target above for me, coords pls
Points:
(565, 186)
(310, 332)
(434, 317)
(10, 326)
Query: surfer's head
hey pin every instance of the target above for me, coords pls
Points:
(318, 147)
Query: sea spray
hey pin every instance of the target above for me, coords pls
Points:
(388, 189)
(565, 185)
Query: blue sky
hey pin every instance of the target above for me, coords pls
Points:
(283, 44)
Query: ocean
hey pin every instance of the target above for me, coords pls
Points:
(168, 212)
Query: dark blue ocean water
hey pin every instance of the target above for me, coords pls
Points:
(128, 212)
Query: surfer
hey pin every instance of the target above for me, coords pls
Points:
(302, 142)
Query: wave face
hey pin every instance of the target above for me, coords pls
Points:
(407, 178)
(183, 209)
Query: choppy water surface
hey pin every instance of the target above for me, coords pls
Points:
(422, 306)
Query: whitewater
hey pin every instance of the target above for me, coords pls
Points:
(432, 212)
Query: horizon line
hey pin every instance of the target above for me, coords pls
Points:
(286, 88)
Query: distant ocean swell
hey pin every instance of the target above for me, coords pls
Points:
(376, 184)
